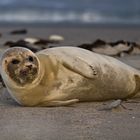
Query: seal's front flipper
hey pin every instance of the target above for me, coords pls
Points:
(81, 67)
(73, 63)
(58, 103)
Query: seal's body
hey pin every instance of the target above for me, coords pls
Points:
(65, 75)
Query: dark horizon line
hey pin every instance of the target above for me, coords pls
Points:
(68, 24)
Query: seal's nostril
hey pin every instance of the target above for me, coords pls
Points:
(29, 66)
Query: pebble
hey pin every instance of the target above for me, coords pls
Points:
(31, 40)
(56, 38)
(110, 106)
(20, 31)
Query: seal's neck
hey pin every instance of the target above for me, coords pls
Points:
(50, 67)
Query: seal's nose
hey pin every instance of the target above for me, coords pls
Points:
(29, 66)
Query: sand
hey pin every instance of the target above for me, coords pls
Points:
(83, 121)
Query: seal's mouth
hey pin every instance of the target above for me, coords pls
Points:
(24, 72)
(26, 75)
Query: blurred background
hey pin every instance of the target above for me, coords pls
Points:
(83, 12)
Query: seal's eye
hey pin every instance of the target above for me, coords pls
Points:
(15, 61)
(30, 58)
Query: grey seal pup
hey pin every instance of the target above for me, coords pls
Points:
(62, 76)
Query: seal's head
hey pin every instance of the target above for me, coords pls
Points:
(20, 65)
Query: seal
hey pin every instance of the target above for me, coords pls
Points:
(62, 76)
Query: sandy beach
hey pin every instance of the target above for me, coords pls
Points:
(83, 121)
